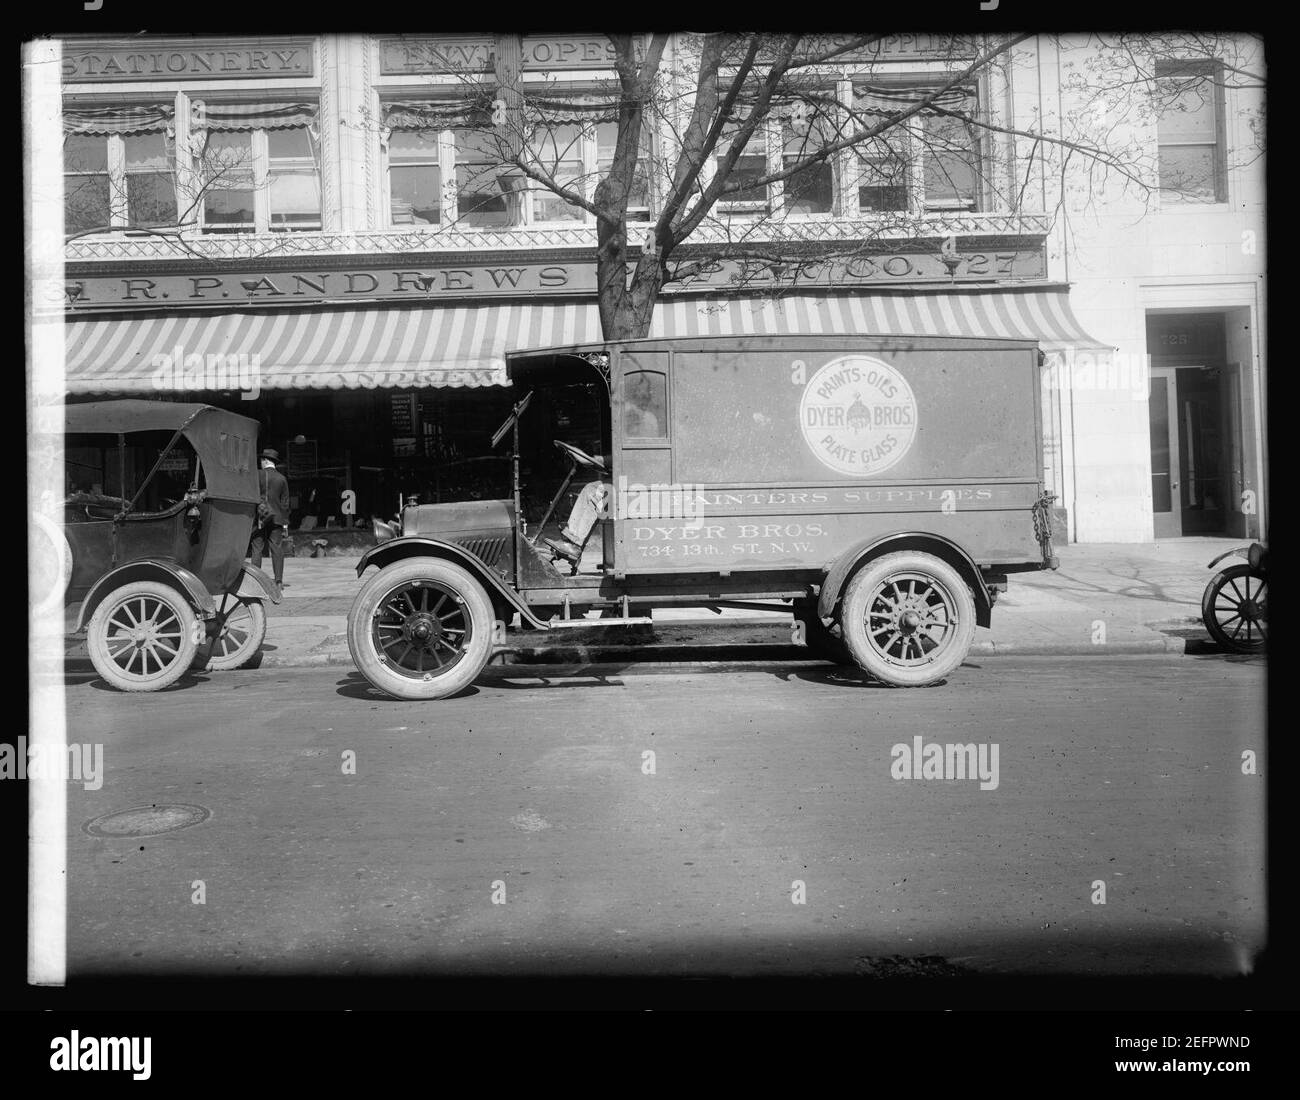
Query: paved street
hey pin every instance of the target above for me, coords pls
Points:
(1124, 770)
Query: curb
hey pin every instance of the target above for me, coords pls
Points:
(727, 654)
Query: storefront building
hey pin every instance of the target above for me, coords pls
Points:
(348, 284)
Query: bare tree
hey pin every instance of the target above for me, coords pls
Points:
(751, 132)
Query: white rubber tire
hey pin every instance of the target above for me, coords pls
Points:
(245, 627)
(473, 604)
(874, 581)
(176, 626)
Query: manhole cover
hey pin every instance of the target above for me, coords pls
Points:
(146, 820)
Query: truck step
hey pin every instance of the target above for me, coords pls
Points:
(600, 622)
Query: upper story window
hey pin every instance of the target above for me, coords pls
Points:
(447, 166)
(256, 166)
(119, 168)
(1190, 132)
(246, 167)
(933, 161)
(786, 138)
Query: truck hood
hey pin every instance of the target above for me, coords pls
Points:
(458, 520)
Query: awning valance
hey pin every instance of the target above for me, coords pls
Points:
(138, 119)
(413, 346)
(253, 116)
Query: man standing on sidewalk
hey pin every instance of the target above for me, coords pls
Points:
(270, 531)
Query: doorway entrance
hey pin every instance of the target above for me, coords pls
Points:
(1195, 421)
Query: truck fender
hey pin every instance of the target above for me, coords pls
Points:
(839, 571)
(256, 585)
(168, 572)
(411, 546)
(1236, 551)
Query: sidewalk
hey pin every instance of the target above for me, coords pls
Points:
(1104, 599)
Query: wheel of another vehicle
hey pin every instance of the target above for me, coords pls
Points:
(908, 619)
(142, 636)
(1234, 609)
(234, 638)
(818, 637)
(421, 628)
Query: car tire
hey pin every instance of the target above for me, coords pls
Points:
(416, 613)
(165, 631)
(922, 619)
(234, 637)
(1234, 601)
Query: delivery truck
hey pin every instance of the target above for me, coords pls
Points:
(879, 491)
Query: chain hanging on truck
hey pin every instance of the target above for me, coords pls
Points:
(1042, 513)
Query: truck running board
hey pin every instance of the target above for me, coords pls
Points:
(600, 622)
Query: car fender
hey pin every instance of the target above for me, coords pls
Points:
(166, 571)
(412, 546)
(843, 567)
(1236, 551)
(256, 585)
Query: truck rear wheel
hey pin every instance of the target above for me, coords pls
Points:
(908, 619)
(421, 628)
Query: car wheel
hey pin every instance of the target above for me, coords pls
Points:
(1234, 609)
(908, 619)
(142, 636)
(235, 636)
(421, 628)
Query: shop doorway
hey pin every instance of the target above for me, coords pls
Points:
(1195, 422)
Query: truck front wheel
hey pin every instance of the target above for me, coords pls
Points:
(421, 628)
(908, 619)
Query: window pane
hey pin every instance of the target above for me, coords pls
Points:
(294, 144)
(1186, 111)
(145, 152)
(85, 203)
(150, 199)
(416, 194)
(812, 189)
(951, 160)
(1187, 173)
(645, 407)
(295, 198)
(85, 153)
(882, 176)
(419, 146)
(228, 207)
(750, 165)
(485, 196)
(638, 201)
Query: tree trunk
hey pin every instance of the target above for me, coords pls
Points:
(625, 310)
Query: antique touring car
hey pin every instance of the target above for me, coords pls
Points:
(878, 490)
(149, 559)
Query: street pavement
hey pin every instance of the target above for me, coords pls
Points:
(516, 829)
(1105, 598)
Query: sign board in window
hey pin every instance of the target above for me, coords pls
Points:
(302, 459)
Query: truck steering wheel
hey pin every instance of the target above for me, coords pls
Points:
(580, 457)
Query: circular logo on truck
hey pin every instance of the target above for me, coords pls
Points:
(858, 415)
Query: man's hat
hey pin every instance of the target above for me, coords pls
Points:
(271, 453)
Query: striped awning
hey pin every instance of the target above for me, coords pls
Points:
(413, 346)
